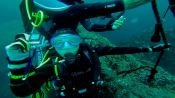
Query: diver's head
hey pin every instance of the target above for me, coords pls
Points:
(66, 44)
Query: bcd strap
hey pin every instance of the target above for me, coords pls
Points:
(16, 77)
(38, 94)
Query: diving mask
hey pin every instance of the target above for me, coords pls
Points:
(66, 43)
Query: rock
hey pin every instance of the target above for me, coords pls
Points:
(126, 75)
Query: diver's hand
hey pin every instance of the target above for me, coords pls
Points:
(19, 49)
(118, 23)
(160, 47)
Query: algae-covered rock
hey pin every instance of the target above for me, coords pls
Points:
(126, 76)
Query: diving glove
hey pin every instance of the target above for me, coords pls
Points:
(118, 23)
(160, 47)
(18, 51)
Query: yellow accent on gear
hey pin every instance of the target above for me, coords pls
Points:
(39, 16)
(38, 94)
(47, 86)
(56, 67)
(21, 76)
(43, 60)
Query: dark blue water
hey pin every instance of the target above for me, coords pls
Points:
(140, 20)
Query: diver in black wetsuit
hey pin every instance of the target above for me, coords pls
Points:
(70, 67)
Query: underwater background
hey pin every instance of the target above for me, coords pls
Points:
(139, 23)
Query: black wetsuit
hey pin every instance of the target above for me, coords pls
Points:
(75, 77)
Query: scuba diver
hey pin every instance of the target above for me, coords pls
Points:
(69, 67)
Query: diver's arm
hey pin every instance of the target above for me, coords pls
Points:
(120, 50)
(129, 4)
(30, 83)
(89, 10)
(24, 78)
(129, 50)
